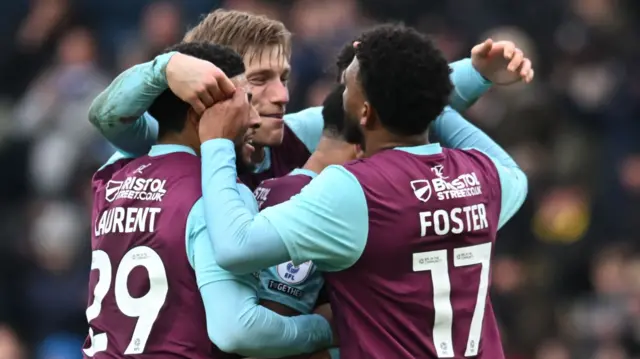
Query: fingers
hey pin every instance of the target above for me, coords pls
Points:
(509, 49)
(226, 87)
(525, 69)
(197, 105)
(482, 49)
(516, 60)
(530, 76)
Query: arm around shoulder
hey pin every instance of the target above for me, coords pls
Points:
(328, 222)
(120, 107)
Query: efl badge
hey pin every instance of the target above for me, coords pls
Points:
(294, 274)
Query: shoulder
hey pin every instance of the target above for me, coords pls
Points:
(114, 164)
(277, 190)
(479, 160)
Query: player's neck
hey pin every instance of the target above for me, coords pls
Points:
(329, 152)
(378, 141)
(317, 162)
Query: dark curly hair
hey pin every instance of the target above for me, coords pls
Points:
(333, 113)
(344, 58)
(404, 77)
(168, 109)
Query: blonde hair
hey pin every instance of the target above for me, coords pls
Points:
(245, 33)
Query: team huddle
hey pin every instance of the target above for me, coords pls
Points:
(364, 228)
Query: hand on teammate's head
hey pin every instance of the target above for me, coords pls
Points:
(197, 82)
(502, 62)
(229, 118)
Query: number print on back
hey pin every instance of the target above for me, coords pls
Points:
(436, 262)
(145, 308)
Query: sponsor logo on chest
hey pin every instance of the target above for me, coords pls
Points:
(444, 188)
(136, 188)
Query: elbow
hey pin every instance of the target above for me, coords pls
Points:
(232, 338)
(524, 183)
(230, 260)
(94, 111)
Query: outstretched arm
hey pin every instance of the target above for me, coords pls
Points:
(469, 86)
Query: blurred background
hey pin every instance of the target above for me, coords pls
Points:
(567, 273)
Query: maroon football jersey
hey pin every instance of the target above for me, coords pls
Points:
(420, 288)
(291, 154)
(143, 297)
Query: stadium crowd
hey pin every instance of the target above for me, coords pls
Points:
(566, 277)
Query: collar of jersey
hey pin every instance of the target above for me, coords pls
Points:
(303, 171)
(159, 150)
(422, 150)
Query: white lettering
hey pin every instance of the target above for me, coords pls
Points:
(127, 220)
(442, 222)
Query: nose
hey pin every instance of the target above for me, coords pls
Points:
(279, 93)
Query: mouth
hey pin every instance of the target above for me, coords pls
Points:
(274, 116)
(248, 144)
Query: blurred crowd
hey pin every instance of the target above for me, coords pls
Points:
(566, 277)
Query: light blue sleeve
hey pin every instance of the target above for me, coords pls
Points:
(468, 84)
(119, 111)
(334, 353)
(236, 323)
(117, 156)
(454, 131)
(297, 287)
(307, 125)
(327, 222)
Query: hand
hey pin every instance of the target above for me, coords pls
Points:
(197, 82)
(228, 118)
(501, 62)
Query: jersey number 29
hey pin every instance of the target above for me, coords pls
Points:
(436, 262)
(145, 308)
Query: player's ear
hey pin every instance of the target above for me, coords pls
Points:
(358, 151)
(367, 116)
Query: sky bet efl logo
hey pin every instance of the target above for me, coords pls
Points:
(140, 189)
(465, 185)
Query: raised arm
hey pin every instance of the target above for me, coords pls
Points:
(236, 323)
(119, 111)
(454, 131)
(469, 86)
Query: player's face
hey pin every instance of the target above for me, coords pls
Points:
(244, 143)
(356, 108)
(267, 75)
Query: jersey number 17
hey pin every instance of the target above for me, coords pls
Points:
(437, 263)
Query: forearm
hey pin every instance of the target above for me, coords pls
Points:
(118, 111)
(237, 324)
(468, 84)
(453, 131)
(242, 243)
